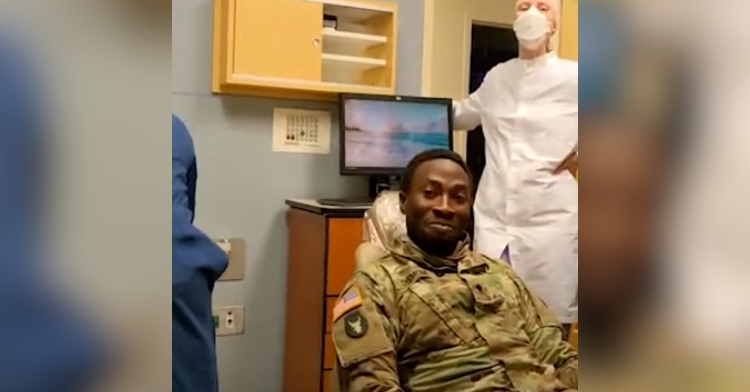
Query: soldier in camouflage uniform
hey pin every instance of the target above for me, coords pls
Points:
(433, 316)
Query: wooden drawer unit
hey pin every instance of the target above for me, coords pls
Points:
(344, 236)
(322, 243)
(327, 381)
(330, 303)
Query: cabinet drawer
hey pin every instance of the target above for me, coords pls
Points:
(329, 356)
(327, 376)
(330, 303)
(344, 236)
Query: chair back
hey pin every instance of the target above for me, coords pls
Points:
(384, 222)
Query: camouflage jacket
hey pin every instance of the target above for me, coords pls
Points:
(413, 322)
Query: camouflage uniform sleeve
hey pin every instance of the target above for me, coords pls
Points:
(364, 334)
(546, 336)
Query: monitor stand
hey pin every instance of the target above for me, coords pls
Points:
(377, 185)
(380, 184)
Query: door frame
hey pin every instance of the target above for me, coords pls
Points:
(429, 76)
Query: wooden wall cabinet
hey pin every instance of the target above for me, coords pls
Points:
(280, 48)
(322, 242)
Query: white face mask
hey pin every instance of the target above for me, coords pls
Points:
(531, 27)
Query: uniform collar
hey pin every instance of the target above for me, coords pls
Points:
(532, 64)
(460, 261)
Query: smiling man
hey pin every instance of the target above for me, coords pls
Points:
(434, 316)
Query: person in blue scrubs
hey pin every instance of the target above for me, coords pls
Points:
(45, 344)
(197, 263)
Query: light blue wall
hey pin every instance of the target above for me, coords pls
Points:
(243, 184)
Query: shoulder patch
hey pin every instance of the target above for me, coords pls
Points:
(356, 325)
(360, 335)
(350, 300)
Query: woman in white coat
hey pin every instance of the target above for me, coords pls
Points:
(526, 207)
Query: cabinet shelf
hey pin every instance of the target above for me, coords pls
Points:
(254, 54)
(349, 70)
(339, 42)
(355, 11)
(351, 63)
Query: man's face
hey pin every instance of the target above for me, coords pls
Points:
(438, 206)
(546, 7)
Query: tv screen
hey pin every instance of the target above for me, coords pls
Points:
(380, 134)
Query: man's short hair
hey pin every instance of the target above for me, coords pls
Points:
(431, 155)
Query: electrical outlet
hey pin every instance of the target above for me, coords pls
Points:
(229, 320)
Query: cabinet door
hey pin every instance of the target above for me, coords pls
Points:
(278, 39)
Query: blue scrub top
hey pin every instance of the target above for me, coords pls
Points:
(197, 264)
(44, 344)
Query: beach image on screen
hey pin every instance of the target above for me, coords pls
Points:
(388, 134)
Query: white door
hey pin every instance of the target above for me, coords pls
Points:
(447, 46)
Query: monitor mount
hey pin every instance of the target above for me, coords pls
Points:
(379, 184)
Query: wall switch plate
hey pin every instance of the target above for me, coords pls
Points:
(235, 250)
(229, 320)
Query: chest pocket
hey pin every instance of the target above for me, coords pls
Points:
(461, 327)
(500, 320)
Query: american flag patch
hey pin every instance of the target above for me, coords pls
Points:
(347, 302)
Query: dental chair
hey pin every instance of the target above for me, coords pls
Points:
(574, 336)
(384, 222)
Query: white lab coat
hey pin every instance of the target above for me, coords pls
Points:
(529, 113)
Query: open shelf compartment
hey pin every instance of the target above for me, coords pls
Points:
(358, 43)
